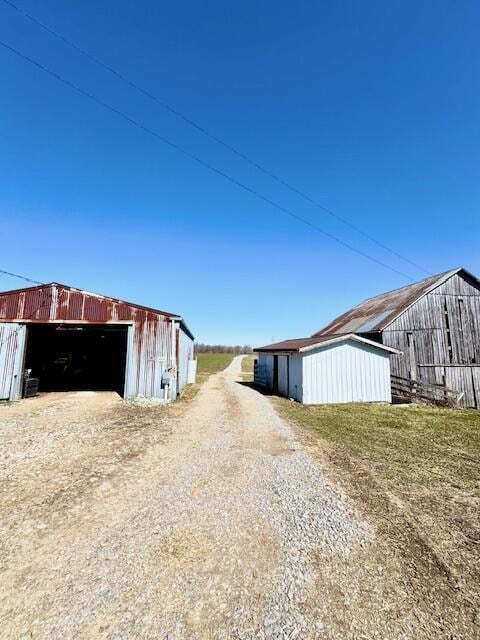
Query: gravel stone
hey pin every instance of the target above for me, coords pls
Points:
(210, 521)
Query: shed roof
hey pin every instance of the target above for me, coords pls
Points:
(300, 345)
(375, 314)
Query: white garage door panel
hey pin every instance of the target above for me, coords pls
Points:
(12, 345)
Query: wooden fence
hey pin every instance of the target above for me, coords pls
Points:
(416, 391)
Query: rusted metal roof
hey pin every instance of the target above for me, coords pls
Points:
(57, 302)
(292, 345)
(305, 344)
(377, 313)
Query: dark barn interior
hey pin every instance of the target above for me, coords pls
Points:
(77, 357)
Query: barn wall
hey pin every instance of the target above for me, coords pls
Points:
(265, 370)
(12, 350)
(295, 376)
(149, 342)
(150, 356)
(56, 303)
(442, 329)
(283, 375)
(289, 373)
(185, 354)
(346, 372)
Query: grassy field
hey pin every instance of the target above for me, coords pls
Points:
(207, 364)
(247, 368)
(429, 446)
(417, 470)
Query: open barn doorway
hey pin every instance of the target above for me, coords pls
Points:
(77, 357)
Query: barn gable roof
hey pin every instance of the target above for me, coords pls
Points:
(40, 302)
(377, 313)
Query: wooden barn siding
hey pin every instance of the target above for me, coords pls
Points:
(427, 321)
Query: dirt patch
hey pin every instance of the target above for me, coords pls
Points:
(271, 443)
(64, 450)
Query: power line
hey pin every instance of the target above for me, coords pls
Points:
(35, 311)
(204, 131)
(16, 275)
(197, 159)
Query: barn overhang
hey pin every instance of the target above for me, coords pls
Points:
(302, 345)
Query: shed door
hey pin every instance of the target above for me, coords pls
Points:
(12, 349)
(283, 375)
(275, 374)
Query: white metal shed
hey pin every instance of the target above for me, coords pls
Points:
(327, 369)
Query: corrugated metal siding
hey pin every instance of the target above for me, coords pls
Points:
(57, 303)
(152, 355)
(149, 344)
(185, 355)
(265, 370)
(12, 346)
(347, 372)
(295, 377)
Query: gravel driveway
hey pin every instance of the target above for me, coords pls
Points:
(203, 521)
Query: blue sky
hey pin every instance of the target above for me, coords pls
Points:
(370, 108)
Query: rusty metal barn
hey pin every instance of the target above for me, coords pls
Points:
(74, 340)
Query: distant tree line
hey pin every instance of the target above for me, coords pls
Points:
(222, 348)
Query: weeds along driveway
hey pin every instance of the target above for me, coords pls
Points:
(204, 520)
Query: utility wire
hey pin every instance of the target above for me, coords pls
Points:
(204, 131)
(35, 311)
(197, 159)
(16, 275)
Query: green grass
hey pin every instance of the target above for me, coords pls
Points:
(247, 368)
(207, 364)
(425, 445)
(415, 470)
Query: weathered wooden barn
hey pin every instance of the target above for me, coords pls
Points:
(435, 324)
(75, 340)
(326, 369)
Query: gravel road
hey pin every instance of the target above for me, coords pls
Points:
(203, 521)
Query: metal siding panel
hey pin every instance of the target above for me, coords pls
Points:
(350, 372)
(265, 369)
(56, 303)
(283, 375)
(306, 380)
(151, 351)
(131, 364)
(186, 354)
(295, 377)
(12, 345)
(17, 391)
